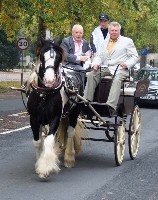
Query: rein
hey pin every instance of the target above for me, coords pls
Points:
(22, 97)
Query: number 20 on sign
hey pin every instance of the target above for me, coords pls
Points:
(23, 43)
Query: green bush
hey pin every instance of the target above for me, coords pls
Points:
(5, 86)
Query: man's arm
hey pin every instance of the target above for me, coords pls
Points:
(99, 58)
(68, 50)
(132, 55)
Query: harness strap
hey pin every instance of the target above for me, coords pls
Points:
(51, 90)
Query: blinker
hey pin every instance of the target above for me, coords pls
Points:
(51, 53)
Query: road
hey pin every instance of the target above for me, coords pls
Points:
(13, 76)
(95, 176)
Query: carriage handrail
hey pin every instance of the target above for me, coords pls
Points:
(76, 70)
(86, 70)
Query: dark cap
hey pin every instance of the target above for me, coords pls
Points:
(103, 17)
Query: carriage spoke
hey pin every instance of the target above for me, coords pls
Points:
(134, 133)
(119, 146)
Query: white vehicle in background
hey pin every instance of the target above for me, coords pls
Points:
(137, 67)
(151, 74)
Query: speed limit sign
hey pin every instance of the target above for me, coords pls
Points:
(23, 43)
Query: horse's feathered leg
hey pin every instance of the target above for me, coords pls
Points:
(38, 147)
(38, 142)
(69, 157)
(48, 161)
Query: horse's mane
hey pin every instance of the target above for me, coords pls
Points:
(47, 44)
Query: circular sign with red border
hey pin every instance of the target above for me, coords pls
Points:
(23, 43)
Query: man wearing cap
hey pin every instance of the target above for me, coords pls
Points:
(99, 33)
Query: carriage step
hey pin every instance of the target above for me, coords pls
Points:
(89, 121)
(95, 139)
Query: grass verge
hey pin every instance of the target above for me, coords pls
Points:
(5, 85)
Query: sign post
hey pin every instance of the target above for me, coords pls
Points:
(143, 57)
(22, 44)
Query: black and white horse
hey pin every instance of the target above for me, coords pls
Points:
(45, 104)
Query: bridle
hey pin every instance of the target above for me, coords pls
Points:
(57, 83)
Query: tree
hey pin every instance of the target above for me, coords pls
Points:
(138, 17)
(9, 55)
(0, 5)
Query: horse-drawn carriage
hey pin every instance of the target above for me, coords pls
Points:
(126, 119)
(55, 95)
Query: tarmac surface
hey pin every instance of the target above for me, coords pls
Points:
(13, 76)
(8, 119)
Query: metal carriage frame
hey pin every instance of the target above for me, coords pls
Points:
(126, 119)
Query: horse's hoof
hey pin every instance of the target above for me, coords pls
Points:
(69, 164)
(43, 176)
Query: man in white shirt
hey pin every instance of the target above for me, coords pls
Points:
(99, 33)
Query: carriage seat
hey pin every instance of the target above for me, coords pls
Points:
(103, 88)
(129, 88)
(128, 91)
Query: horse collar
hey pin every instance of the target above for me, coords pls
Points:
(46, 91)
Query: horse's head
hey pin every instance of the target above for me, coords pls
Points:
(51, 56)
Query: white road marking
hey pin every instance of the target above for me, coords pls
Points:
(15, 130)
(17, 114)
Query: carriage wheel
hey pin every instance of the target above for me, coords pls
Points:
(119, 144)
(134, 133)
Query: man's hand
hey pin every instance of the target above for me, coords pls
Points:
(84, 58)
(88, 53)
(123, 65)
(94, 54)
(95, 67)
